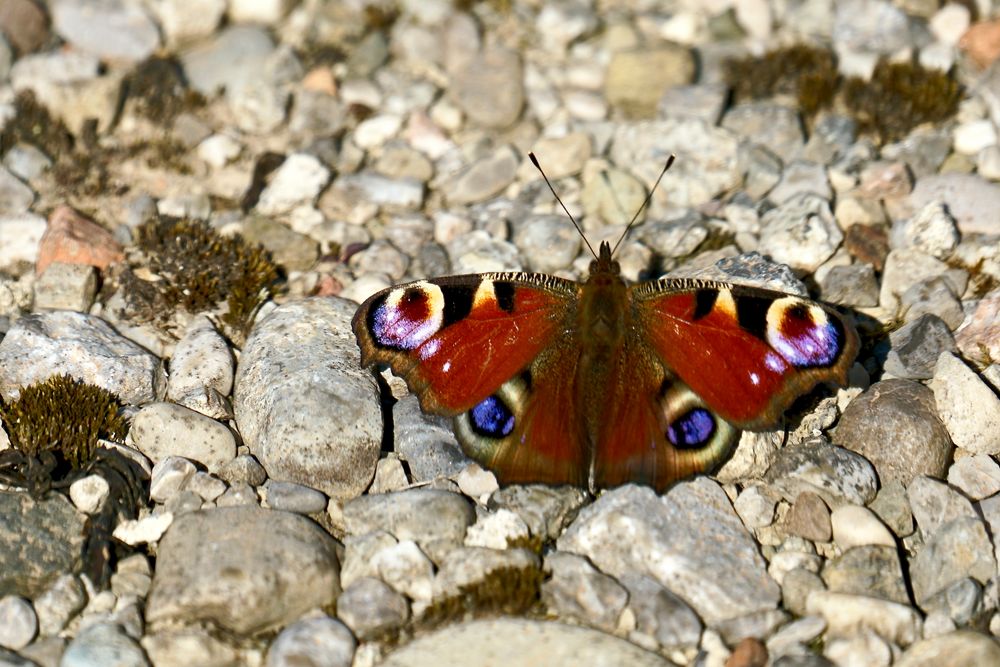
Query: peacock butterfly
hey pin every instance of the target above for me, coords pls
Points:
(601, 383)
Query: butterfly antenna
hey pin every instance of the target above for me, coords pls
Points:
(534, 161)
(670, 161)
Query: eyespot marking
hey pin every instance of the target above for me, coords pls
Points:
(692, 430)
(802, 333)
(492, 418)
(407, 316)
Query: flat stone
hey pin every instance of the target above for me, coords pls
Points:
(423, 515)
(836, 475)
(854, 526)
(845, 614)
(915, 347)
(963, 647)
(935, 504)
(66, 287)
(371, 608)
(872, 570)
(103, 644)
(201, 359)
(679, 540)
(969, 198)
(520, 643)
(774, 126)
(84, 346)
(160, 430)
(977, 476)
(801, 232)
(577, 590)
(969, 409)
(111, 29)
(489, 87)
(960, 548)
(636, 78)
(483, 179)
(212, 565)
(660, 615)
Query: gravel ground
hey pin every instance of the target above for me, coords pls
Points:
(196, 196)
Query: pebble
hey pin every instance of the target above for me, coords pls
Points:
(427, 443)
(59, 603)
(915, 347)
(489, 89)
(576, 590)
(312, 641)
(854, 526)
(934, 296)
(801, 232)
(170, 475)
(103, 644)
(406, 569)
(18, 623)
(232, 57)
(369, 186)
(160, 430)
(837, 475)
(483, 179)
(423, 515)
(872, 570)
(660, 615)
(496, 530)
(390, 475)
(979, 340)
(963, 647)
(775, 127)
(58, 534)
(288, 423)
(969, 409)
(15, 196)
(298, 181)
(549, 243)
(546, 510)
(706, 163)
(809, 517)
(895, 426)
(291, 497)
(371, 608)
(288, 248)
(853, 285)
(84, 346)
(967, 196)
(660, 534)
(66, 287)
(960, 548)
(845, 614)
(201, 359)
(636, 78)
(111, 29)
(976, 476)
(187, 646)
(144, 530)
(521, 642)
(466, 568)
(22, 235)
(89, 493)
(213, 566)
(73, 239)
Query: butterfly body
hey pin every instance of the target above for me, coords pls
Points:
(601, 383)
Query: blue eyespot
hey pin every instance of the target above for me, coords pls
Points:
(492, 418)
(692, 430)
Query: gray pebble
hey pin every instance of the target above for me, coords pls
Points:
(18, 623)
(314, 642)
(201, 359)
(160, 430)
(960, 548)
(836, 475)
(305, 408)
(371, 608)
(103, 644)
(423, 515)
(914, 348)
(577, 590)
(213, 565)
(894, 424)
(291, 497)
(66, 287)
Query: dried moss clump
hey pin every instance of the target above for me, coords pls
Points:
(33, 124)
(508, 590)
(197, 269)
(63, 416)
(808, 73)
(158, 90)
(899, 97)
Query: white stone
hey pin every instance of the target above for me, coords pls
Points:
(977, 476)
(973, 136)
(219, 150)
(377, 130)
(967, 406)
(988, 163)
(164, 429)
(755, 506)
(949, 23)
(186, 20)
(145, 530)
(865, 649)
(201, 359)
(855, 526)
(265, 12)
(21, 235)
(298, 180)
(932, 230)
(476, 482)
(496, 530)
(170, 475)
(58, 604)
(18, 623)
(405, 567)
(89, 493)
(847, 614)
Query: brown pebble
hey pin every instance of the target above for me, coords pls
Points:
(73, 239)
(750, 652)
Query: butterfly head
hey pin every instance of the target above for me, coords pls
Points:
(604, 264)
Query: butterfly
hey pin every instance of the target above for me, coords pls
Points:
(602, 383)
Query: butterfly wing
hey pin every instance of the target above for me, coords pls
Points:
(746, 352)
(476, 348)
(717, 358)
